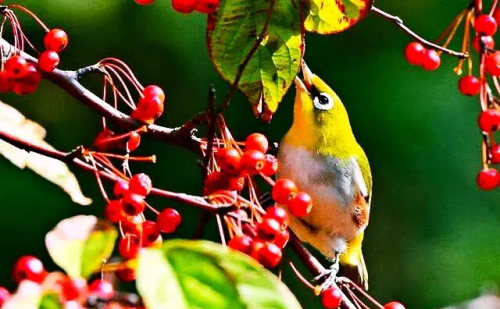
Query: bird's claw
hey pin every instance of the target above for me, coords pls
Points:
(327, 278)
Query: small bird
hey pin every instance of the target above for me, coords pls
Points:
(320, 154)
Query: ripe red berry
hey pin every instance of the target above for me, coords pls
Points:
(495, 154)
(207, 6)
(283, 191)
(488, 41)
(242, 243)
(73, 288)
(331, 298)
(271, 165)
(301, 205)
(121, 188)
(184, 6)
(133, 204)
(168, 220)
(6, 83)
(149, 109)
(129, 246)
(488, 179)
(48, 61)
(132, 225)
(485, 25)
(394, 305)
(4, 295)
(253, 161)
(114, 211)
(21, 87)
(431, 60)
(55, 40)
(492, 63)
(16, 67)
(152, 91)
(140, 184)
(29, 82)
(269, 255)
(29, 268)
(282, 238)
(469, 85)
(125, 274)
(235, 183)
(279, 214)
(229, 160)
(150, 232)
(134, 140)
(256, 141)
(415, 53)
(268, 228)
(144, 2)
(102, 288)
(489, 120)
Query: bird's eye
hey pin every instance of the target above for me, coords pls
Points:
(323, 101)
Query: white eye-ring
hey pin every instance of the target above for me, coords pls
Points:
(323, 101)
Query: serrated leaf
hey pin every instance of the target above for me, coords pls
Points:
(50, 301)
(204, 275)
(333, 16)
(80, 244)
(14, 123)
(233, 31)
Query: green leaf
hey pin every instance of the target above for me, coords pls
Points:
(50, 301)
(79, 244)
(333, 16)
(233, 32)
(204, 275)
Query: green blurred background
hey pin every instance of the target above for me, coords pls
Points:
(432, 240)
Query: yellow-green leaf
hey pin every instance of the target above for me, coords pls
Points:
(333, 16)
(80, 244)
(204, 275)
(232, 33)
(50, 301)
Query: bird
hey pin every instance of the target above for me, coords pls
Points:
(321, 155)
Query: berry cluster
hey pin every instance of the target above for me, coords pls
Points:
(417, 54)
(202, 6)
(285, 192)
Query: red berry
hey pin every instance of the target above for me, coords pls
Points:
(48, 61)
(488, 41)
(253, 161)
(132, 225)
(492, 63)
(140, 184)
(102, 288)
(213, 182)
(415, 53)
(489, 120)
(301, 205)
(114, 211)
(394, 305)
(133, 204)
(6, 83)
(283, 191)
(431, 60)
(152, 91)
(56, 40)
(488, 179)
(134, 140)
(207, 6)
(29, 82)
(16, 67)
(268, 228)
(121, 188)
(229, 160)
(269, 255)
(168, 220)
(4, 295)
(495, 154)
(469, 85)
(149, 108)
(29, 268)
(279, 214)
(271, 165)
(242, 243)
(144, 2)
(21, 87)
(125, 274)
(150, 232)
(282, 238)
(485, 25)
(129, 246)
(331, 298)
(72, 289)
(184, 6)
(257, 141)
(235, 183)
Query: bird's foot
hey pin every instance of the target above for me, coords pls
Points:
(328, 277)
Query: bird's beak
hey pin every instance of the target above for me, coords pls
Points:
(307, 76)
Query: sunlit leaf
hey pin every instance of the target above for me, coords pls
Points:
(333, 16)
(233, 31)
(80, 244)
(204, 275)
(14, 123)
(27, 296)
(50, 301)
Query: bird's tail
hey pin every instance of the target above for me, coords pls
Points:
(354, 263)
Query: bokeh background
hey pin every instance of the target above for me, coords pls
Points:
(433, 237)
